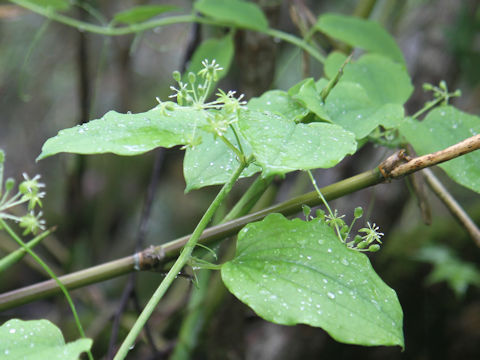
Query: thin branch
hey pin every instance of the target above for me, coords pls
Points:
(464, 147)
(452, 205)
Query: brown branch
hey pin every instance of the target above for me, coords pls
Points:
(421, 162)
(452, 205)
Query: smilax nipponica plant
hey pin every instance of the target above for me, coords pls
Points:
(288, 271)
(228, 138)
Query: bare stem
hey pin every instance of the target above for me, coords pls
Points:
(452, 205)
(464, 147)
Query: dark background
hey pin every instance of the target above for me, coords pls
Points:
(53, 76)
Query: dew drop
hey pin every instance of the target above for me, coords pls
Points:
(331, 295)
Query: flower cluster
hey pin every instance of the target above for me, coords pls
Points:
(370, 238)
(441, 93)
(221, 113)
(29, 192)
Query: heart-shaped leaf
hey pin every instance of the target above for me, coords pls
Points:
(234, 13)
(279, 102)
(383, 80)
(141, 13)
(281, 145)
(38, 340)
(292, 271)
(365, 34)
(349, 105)
(128, 134)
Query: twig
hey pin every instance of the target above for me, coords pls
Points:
(452, 205)
(421, 162)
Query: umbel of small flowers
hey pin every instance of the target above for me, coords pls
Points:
(368, 238)
(29, 192)
(221, 113)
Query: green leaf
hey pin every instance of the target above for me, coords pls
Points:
(38, 340)
(128, 134)
(443, 127)
(141, 13)
(449, 268)
(296, 272)
(308, 95)
(221, 50)
(57, 5)
(371, 92)
(279, 102)
(234, 13)
(356, 32)
(349, 106)
(383, 80)
(281, 145)
(212, 162)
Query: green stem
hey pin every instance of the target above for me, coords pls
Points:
(295, 41)
(151, 24)
(14, 236)
(427, 107)
(197, 310)
(18, 254)
(320, 195)
(178, 265)
(237, 138)
(240, 155)
(249, 198)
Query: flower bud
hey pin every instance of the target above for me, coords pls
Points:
(362, 244)
(191, 78)
(427, 87)
(358, 212)
(176, 76)
(9, 184)
(374, 248)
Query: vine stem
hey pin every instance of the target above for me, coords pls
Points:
(18, 254)
(50, 273)
(457, 211)
(178, 265)
(320, 195)
(151, 24)
(463, 147)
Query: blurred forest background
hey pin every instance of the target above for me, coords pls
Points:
(52, 76)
